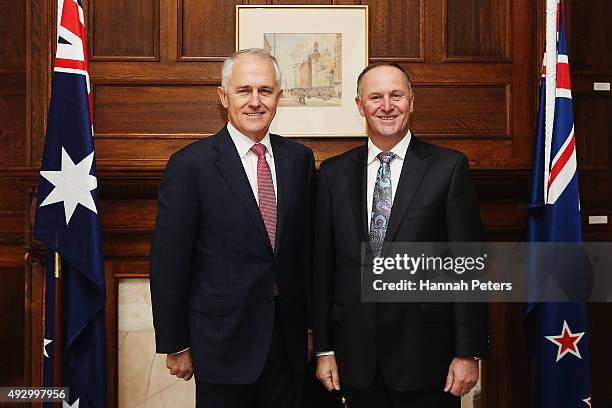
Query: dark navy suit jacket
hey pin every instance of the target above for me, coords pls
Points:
(212, 266)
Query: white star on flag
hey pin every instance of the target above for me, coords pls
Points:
(567, 342)
(73, 184)
(587, 401)
(45, 342)
(75, 404)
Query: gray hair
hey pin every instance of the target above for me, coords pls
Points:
(383, 64)
(228, 64)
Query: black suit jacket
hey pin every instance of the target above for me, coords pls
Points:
(412, 343)
(213, 270)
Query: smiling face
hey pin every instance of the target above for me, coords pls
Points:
(251, 95)
(386, 103)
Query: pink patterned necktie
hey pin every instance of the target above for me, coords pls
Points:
(265, 191)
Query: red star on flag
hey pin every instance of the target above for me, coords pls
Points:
(567, 342)
(587, 401)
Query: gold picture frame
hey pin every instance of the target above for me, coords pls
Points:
(321, 51)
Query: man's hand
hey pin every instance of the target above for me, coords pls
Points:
(179, 364)
(310, 347)
(462, 376)
(327, 372)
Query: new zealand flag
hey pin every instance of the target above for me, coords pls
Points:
(557, 332)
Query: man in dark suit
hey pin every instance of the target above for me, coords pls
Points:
(395, 188)
(231, 252)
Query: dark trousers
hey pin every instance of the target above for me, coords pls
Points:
(278, 385)
(380, 395)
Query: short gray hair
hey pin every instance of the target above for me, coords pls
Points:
(228, 64)
(383, 64)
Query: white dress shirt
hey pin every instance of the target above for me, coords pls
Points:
(396, 164)
(249, 158)
(373, 164)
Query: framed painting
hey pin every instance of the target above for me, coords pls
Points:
(321, 50)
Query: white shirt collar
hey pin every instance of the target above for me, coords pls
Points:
(243, 143)
(399, 149)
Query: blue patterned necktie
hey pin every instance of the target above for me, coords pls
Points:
(381, 203)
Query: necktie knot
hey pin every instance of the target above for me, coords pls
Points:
(384, 157)
(259, 149)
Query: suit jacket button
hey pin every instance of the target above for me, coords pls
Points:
(373, 312)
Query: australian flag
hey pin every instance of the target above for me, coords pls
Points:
(67, 221)
(557, 331)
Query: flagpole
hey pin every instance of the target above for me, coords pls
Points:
(57, 329)
(551, 84)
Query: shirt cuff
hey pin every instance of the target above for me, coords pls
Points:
(179, 352)
(325, 353)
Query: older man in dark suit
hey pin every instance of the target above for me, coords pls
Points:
(395, 188)
(230, 258)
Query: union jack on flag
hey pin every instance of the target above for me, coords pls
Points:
(557, 332)
(67, 223)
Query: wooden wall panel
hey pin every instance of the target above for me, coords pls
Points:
(124, 30)
(594, 196)
(589, 64)
(12, 129)
(482, 154)
(589, 28)
(501, 214)
(12, 228)
(12, 197)
(466, 111)
(129, 216)
(40, 44)
(12, 326)
(593, 143)
(12, 34)
(396, 29)
(127, 245)
(156, 109)
(169, 72)
(12, 154)
(13, 147)
(478, 28)
(207, 29)
(138, 152)
(600, 339)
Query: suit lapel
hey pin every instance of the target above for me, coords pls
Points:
(283, 162)
(414, 168)
(356, 183)
(230, 166)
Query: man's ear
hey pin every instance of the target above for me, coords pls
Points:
(360, 106)
(222, 96)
